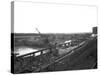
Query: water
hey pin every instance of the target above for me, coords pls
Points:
(25, 50)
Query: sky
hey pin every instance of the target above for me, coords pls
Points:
(53, 18)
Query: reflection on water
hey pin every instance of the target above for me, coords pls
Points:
(25, 50)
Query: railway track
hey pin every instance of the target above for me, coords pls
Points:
(48, 60)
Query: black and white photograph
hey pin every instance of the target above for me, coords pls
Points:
(50, 37)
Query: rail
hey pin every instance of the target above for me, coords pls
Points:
(41, 59)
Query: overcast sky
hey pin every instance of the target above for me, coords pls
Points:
(53, 18)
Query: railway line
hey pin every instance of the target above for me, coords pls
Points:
(47, 61)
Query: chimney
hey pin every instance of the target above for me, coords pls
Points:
(94, 30)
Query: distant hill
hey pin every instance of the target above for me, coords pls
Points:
(59, 34)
